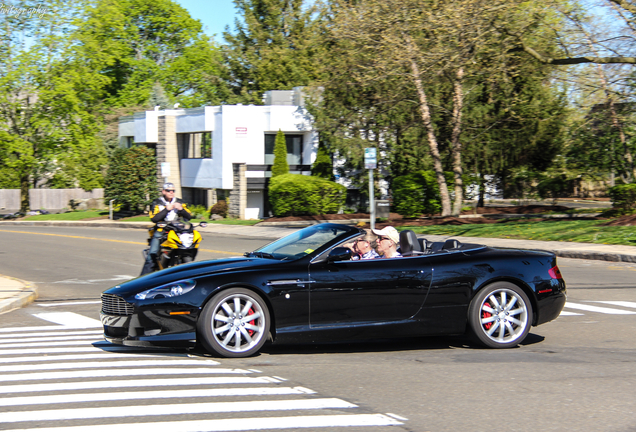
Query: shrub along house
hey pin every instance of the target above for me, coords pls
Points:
(225, 152)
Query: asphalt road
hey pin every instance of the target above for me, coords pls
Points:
(577, 373)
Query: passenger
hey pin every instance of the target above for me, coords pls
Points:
(388, 240)
(363, 247)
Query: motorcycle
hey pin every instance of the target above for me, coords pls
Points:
(179, 244)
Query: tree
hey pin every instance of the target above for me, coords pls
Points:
(273, 47)
(131, 178)
(322, 166)
(280, 165)
(45, 98)
(137, 44)
(403, 48)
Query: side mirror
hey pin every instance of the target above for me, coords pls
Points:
(203, 224)
(340, 254)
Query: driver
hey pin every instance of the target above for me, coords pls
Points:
(388, 240)
(164, 209)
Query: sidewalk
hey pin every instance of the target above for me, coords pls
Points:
(15, 293)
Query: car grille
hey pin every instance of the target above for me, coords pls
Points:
(115, 305)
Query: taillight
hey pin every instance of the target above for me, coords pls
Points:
(555, 273)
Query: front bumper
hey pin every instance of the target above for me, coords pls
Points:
(150, 329)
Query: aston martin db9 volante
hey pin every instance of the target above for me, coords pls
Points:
(305, 287)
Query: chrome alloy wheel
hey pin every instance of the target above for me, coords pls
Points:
(504, 316)
(239, 323)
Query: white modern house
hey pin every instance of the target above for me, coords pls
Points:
(226, 151)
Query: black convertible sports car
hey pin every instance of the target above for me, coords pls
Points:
(305, 288)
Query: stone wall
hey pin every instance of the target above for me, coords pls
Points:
(238, 195)
(167, 152)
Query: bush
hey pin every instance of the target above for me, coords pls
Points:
(198, 211)
(416, 194)
(220, 208)
(623, 197)
(295, 194)
(131, 179)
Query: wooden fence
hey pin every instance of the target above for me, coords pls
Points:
(52, 199)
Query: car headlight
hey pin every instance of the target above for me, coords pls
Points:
(172, 289)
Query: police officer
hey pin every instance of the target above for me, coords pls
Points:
(165, 208)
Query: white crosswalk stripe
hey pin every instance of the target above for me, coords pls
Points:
(66, 378)
(589, 306)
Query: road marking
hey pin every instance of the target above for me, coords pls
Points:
(239, 424)
(119, 384)
(100, 364)
(32, 359)
(566, 313)
(37, 329)
(71, 303)
(175, 409)
(92, 281)
(68, 333)
(109, 240)
(69, 319)
(51, 339)
(619, 303)
(45, 344)
(591, 308)
(164, 394)
(118, 373)
(22, 351)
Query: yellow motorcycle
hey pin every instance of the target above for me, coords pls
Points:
(179, 245)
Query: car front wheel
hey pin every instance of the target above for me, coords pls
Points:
(234, 323)
(500, 315)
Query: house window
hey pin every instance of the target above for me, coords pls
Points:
(194, 145)
(294, 149)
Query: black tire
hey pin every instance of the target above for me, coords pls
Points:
(500, 316)
(234, 323)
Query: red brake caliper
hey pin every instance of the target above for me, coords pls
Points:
(485, 314)
(251, 311)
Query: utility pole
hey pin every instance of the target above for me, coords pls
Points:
(371, 163)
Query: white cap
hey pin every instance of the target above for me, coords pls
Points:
(168, 186)
(389, 232)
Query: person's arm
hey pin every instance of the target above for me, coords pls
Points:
(155, 214)
(184, 212)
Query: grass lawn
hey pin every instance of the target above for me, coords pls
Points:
(93, 214)
(586, 231)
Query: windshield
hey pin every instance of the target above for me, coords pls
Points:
(302, 242)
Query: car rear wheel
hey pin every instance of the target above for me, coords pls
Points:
(234, 323)
(500, 315)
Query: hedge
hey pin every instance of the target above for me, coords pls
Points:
(623, 197)
(417, 193)
(296, 194)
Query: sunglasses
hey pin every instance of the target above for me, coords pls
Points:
(169, 190)
(383, 238)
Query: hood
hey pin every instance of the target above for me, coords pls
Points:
(189, 271)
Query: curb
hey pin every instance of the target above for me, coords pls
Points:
(28, 292)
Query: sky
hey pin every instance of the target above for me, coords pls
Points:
(213, 14)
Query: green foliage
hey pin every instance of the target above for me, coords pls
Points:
(131, 179)
(554, 186)
(220, 208)
(137, 44)
(198, 211)
(280, 165)
(322, 167)
(416, 194)
(273, 47)
(623, 197)
(294, 194)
